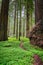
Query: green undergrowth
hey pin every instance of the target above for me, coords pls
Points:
(12, 54)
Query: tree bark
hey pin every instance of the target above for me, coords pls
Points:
(36, 35)
(4, 20)
(14, 17)
(20, 22)
(17, 26)
(27, 24)
(38, 10)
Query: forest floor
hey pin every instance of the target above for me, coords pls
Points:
(14, 52)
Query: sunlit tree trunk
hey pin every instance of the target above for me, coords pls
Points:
(25, 22)
(23, 28)
(4, 20)
(30, 22)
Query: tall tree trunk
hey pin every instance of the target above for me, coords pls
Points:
(17, 25)
(4, 20)
(20, 22)
(22, 28)
(38, 10)
(36, 35)
(15, 18)
(27, 24)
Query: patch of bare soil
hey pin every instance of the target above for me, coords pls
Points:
(37, 60)
(21, 45)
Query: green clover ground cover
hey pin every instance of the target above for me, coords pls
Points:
(12, 54)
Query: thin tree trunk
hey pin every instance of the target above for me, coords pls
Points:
(4, 20)
(22, 28)
(14, 18)
(30, 22)
(27, 25)
(20, 22)
(17, 25)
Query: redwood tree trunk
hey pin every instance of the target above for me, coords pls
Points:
(38, 10)
(4, 20)
(36, 35)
